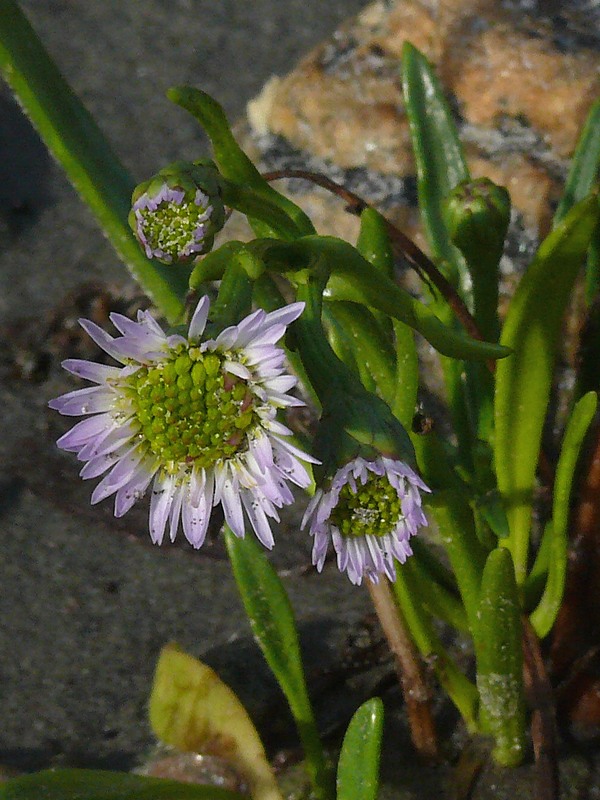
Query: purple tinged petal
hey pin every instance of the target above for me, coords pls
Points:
(102, 339)
(90, 371)
(120, 474)
(91, 400)
(198, 323)
(160, 506)
(175, 515)
(135, 489)
(258, 519)
(108, 443)
(85, 431)
(232, 508)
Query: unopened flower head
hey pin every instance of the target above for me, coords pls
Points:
(369, 513)
(176, 214)
(197, 419)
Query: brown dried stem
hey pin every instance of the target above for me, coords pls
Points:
(543, 716)
(417, 696)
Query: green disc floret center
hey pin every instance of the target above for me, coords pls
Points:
(190, 410)
(172, 227)
(375, 508)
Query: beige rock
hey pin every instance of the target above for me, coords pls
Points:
(503, 71)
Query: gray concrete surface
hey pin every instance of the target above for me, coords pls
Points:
(86, 605)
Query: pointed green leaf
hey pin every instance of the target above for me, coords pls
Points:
(76, 142)
(441, 164)
(272, 621)
(532, 329)
(544, 616)
(358, 768)
(89, 784)
(500, 659)
(233, 163)
(583, 173)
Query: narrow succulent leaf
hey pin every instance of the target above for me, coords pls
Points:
(92, 784)
(357, 333)
(411, 594)
(440, 598)
(404, 401)
(358, 768)
(192, 710)
(532, 329)
(352, 278)
(272, 621)
(440, 161)
(583, 173)
(373, 242)
(544, 616)
(500, 659)
(79, 146)
(233, 163)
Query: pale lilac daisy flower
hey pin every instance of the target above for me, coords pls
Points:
(196, 419)
(369, 512)
(170, 227)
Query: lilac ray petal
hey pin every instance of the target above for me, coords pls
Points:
(258, 519)
(232, 508)
(261, 449)
(96, 466)
(135, 489)
(146, 318)
(90, 370)
(102, 339)
(235, 368)
(198, 322)
(160, 506)
(281, 384)
(286, 314)
(195, 520)
(91, 400)
(85, 431)
(120, 474)
(295, 451)
(268, 336)
(291, 468)
(106, 443)
(176, 511)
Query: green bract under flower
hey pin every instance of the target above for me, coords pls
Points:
(374, 509)
(192, 410)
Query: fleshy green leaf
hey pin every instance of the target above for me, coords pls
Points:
(233, 163)
(194, 711)
(544, 615)
(76, 142)
(272, 621)
(583, 173)
(532, 329)
(438, 153)
(91, 784)
(500, 659)
(358, 768)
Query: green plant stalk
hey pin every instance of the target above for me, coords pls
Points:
(450, 509)
(76, 142)
(410, 594)
(441, 601)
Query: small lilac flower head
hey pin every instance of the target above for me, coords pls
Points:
(176, 214)
(369, 512)
(195, 419)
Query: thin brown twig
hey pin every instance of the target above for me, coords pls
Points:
(543, 716)
(417, 695)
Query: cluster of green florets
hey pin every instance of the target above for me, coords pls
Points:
(191, 410)
(170, 228)
(374, 509)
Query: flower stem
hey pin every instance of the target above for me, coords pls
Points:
(409, 669)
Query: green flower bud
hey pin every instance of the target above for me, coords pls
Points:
(477, 214)
(176, 214)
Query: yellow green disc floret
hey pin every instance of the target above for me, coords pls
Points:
(374, 509)
(191, 410)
